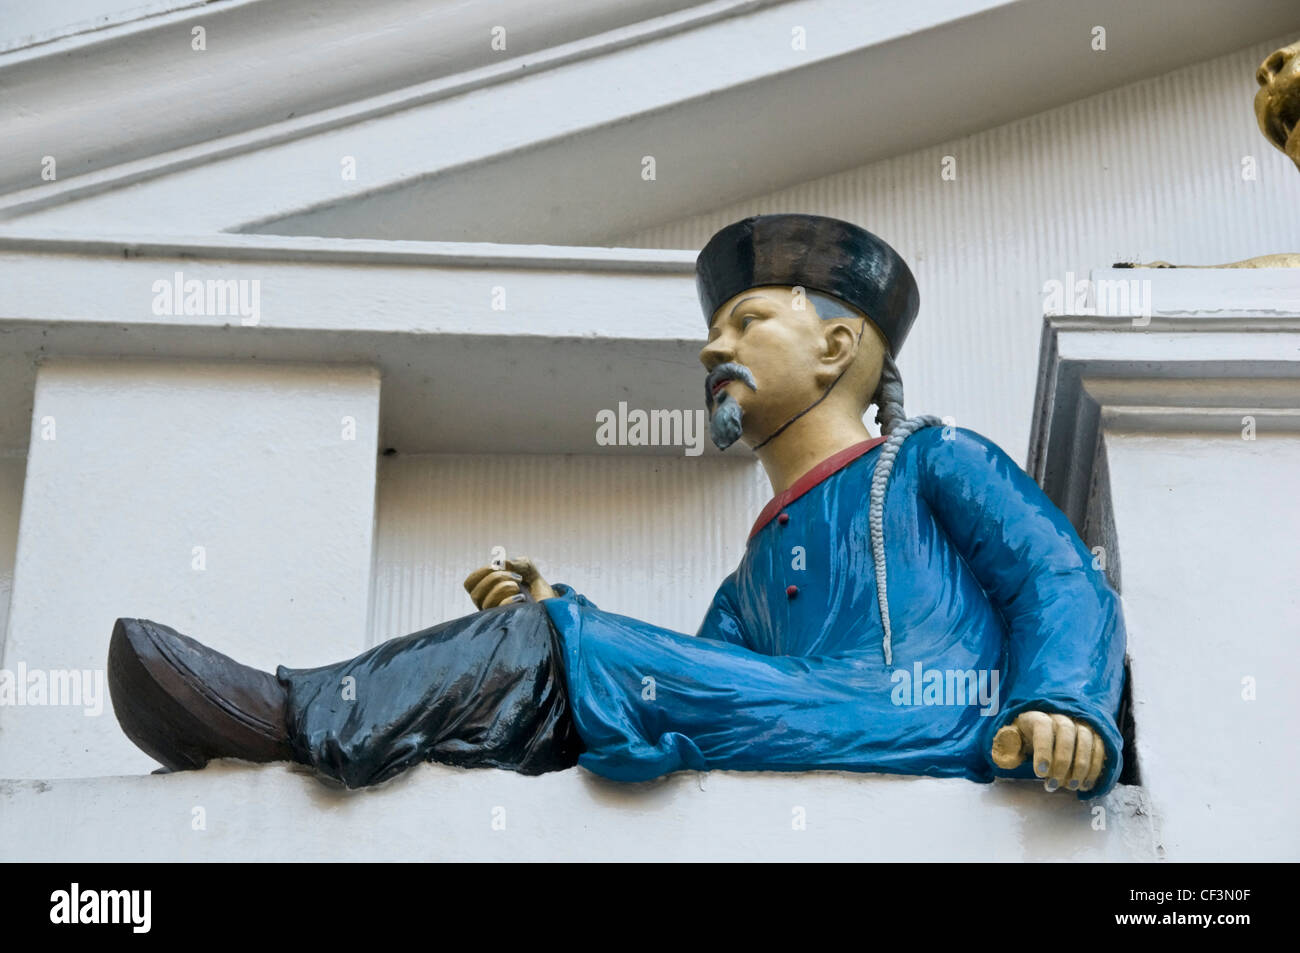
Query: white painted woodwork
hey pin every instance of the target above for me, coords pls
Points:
(1207, 526)
(718, 94)
(25, 24)
(13, 467)
(581, 329)
(141, 93)
(135, 464)
(438, 813)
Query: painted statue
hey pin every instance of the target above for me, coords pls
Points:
(910, 604)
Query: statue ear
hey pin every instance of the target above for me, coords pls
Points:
(840, 345)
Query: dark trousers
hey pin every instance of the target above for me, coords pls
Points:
(486, 690)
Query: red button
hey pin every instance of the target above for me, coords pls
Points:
(783, 518)
(792, 591)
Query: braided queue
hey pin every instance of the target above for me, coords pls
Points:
(889, 401)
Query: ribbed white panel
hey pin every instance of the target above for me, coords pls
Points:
(649, 537)
(1149, 171)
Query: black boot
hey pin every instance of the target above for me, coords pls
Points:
(184, 704)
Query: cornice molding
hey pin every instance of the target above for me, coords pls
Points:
(481, 347)
(1218, 346)
(271, 73)
(476, 153)
(349, 251)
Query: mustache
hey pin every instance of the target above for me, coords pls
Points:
(730, 371)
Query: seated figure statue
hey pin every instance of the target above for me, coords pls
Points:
(911, 604)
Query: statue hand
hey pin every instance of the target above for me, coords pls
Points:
(1068, 752)
(490, 587)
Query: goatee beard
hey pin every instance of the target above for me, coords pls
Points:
(724, 413)
(725, 422)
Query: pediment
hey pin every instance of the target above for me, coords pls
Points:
(546, 141)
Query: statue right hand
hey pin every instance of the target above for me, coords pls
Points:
(492, 586)
(1068, 752)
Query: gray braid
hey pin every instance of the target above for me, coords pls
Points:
(889, 397)
(889, 413)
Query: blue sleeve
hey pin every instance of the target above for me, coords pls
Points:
(569, 594)
(1066, 639)
(722, 621)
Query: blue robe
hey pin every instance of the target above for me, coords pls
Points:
(986, 578)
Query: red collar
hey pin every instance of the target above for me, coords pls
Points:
(832, 464)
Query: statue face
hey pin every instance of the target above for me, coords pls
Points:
(1277, 104)
(767, 360)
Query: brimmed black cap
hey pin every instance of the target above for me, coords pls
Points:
(814, 252)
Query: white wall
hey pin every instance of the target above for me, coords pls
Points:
(13, 465)
(1207, 528)
(134, 464)
(1150, 171)
(439, 813)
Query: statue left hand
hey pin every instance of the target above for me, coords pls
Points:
(491, 586)
(1068, 752)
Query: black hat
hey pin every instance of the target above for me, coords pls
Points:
(817, 253)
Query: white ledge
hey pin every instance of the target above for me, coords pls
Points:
(438, 813)
(583, 328)
(356, 251)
